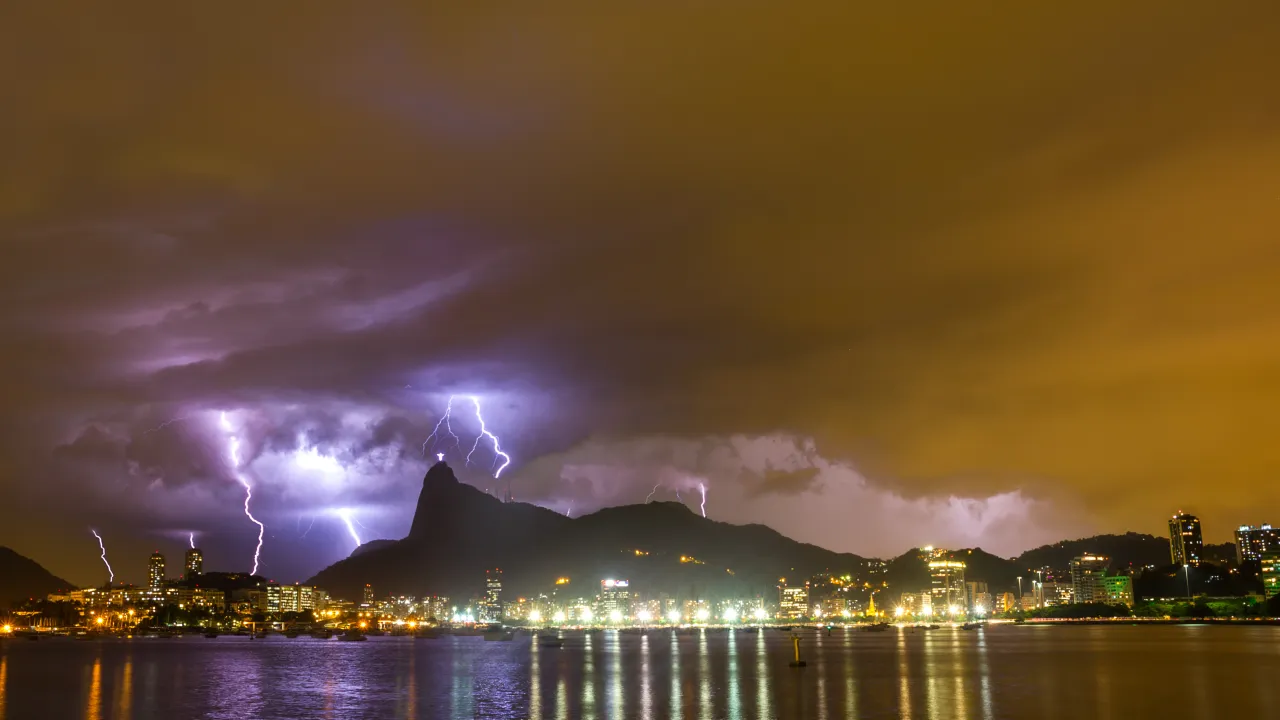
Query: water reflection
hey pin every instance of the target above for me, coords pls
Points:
(646, 697)
(984, 667)
(904, 679)
(704, 676)
(735, 699)
(588, 682)
(535, 682)
(762, 677)
(613, 707)
(124, 707)
(93, 710)
(4, 679)
(675, 676)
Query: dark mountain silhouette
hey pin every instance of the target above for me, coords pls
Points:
(1134, 550)
(458, 532)
(909, 572)
(22, 578)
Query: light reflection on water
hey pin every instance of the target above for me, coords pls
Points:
(1105, 672)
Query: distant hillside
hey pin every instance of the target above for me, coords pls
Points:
(22, 578)
(909, 572)
(1131, 549)
(459, 531)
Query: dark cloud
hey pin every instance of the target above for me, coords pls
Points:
(1006, 261)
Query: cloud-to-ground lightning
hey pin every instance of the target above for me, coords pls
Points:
(484, 433)
(192, 539)
(102, 546)
(703, 488)
(304, 532)
(233, 448)
(346, 518)
(651, 492)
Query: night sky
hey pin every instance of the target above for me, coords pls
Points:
(874, 274)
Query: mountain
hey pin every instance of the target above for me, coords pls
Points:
(909, 572)
(22, 578)
(1131, 549)
(458, 532)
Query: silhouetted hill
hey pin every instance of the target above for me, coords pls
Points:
(1131, 549)
(22, 578)
(909, 572)
(459, 531)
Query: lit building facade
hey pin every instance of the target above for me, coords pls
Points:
(793, 600)
(1252, 542)
(368, 596)
(155, 571)
(615, 596)
(1087, 572)
(1118, 589)
(1270, 574)
(948, 587)
(491, 604)
(1186, 544)
(193, 566)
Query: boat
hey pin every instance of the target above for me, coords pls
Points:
(498, 635)
(352, 635)
(322, 634)
(260, 635)
(428, 633)
(932, 627)
(551, 643)
(291, 633)
(970, 626)
(375, 632)
(877, 627)
(212, 634)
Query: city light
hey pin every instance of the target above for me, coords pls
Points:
(674, 616)
(900, 611)
(615, 616)
(586, 614)
(760, 614)
(644, 616)
(535, 616)
(927, 612)
(953, 610)
(730, 614)
(558, 617)
(980, 611)
(6, 629)
(703, 615)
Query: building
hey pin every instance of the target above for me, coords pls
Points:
(155, 571)
(194, 564)
(1252, 542)
(1086, 574)
(793, 600)
(977, 597)
(948, 587)
(1117, 589)
(1186, 545)
(615, 596)
(300, 598)
(367, 602)
(1006, 602)
(1270, 574)
(491, 603)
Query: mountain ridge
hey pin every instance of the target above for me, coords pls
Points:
(22, 578)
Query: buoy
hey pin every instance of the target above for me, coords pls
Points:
(797, 663)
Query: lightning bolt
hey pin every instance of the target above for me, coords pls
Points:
(313, 522)
(651, 492)
(103, 547)
(484, 433)
(233, 449)
(166, 424)
(445, 420)
(346, 518)
(569, 512)
(192, 539)
(703, 488)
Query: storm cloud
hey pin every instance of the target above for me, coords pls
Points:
(947, 273)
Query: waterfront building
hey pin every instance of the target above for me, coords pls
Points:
(155, 571)
(1117, 589)
(1270, 574)
(615, 596)
(193, 566)
(1252, 542)
(1186, 544)
(491, 603)
(977, 596)
(947, 576)
(793, 600)
(1086, 573)
(299, 598)
(367, 602)
(1006, 602)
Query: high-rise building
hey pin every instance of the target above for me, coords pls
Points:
(615, 595)
(155, 571)
(491, 603)
(793, 600)
(368, 596)
(194, 564)
(1087, 572)
(948, 588)
(1252, 542)
(1117, 589)
(977, 597)
(1270, 574)
(1186, 545)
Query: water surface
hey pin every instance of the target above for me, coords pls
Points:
(998, 672)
